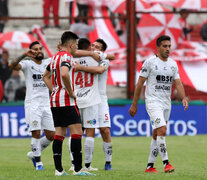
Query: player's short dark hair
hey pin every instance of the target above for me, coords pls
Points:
(67, 36)
(33, 43)
(104, 45)
(162, 38)
(83, 43)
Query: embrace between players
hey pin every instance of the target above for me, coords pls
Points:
(78, 99)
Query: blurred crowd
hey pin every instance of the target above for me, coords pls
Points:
(12, 83)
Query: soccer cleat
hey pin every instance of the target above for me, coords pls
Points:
(90, 169)
(108, 167)
(63, 173)
(30, 156)
(71, 168)
(169, 168)
(83, 173)
(39, 168)
(151, 170)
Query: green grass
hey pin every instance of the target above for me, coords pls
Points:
(130, 155)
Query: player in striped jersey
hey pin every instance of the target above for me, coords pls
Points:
(63, 103)
(37, 105)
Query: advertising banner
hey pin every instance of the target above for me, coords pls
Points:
(190, 122)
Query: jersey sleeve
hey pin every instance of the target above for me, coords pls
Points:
(144, 72)
(105, 64)
(23, 64)
(66, 60)
(176, 73)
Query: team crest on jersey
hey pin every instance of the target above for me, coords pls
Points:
(173, 68)
(93, 122)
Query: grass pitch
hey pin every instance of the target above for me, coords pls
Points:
(130, 154)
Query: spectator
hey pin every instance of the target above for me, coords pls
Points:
(14, 84)
(70, 2)
(203, 31)
(80, 28)
(1, 91)
(83, 9)
(3, 14)
(5, 71)
(47, 4)
(186, 30)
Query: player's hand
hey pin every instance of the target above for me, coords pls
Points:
(77, 66)
(72, 94)
(133, 110)
(185, 104)
(31, 53)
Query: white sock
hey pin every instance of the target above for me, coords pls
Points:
(44, 142)
(107, 147)
(162, 147)
(69, 145)
(153, 151)
(89, 148)
(36, 147)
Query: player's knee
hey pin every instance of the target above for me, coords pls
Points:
(105, 131)
(162, 131)
(50, 136)
(36, 134)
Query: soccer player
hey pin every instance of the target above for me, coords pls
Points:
(159, 72)
(59, 79)
(103, 108)
(37, 105)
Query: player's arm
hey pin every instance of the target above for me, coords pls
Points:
(81, 53)
(133, 108)
(90, 69)
(66, 80)
(47, 78)
(181, 92)
(15, 63)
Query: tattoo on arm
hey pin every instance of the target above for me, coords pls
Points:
(15, 62)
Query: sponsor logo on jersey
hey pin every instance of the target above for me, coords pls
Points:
(91, 121)
(162, 87)
(164, 79)
(37, 77)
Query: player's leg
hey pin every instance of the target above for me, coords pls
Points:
(55, 10)
(153, 153)
(33, 115)
(60, 118)
(36, 149)
(59, 137)
(105, 124)
(90, 122)
(46, 12)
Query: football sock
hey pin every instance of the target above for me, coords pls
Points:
(36, 149)
(76, 151)
(153, 153)
(69, 145)
(44, 142)
(57, 152)
(162, 147)
(165, 163)
(107, 147)
(89, 148)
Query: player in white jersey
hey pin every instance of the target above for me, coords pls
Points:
(103, 108)
(37, 105)
(159, 72)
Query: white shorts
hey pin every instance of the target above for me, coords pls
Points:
(89, 116)
(158, 115)
(39, 118)
(103, 114)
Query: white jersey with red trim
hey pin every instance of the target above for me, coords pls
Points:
(36, 90)
(160, 75)
(86, 84)
(59, 96)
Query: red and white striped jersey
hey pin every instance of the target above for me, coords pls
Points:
(59, 96)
